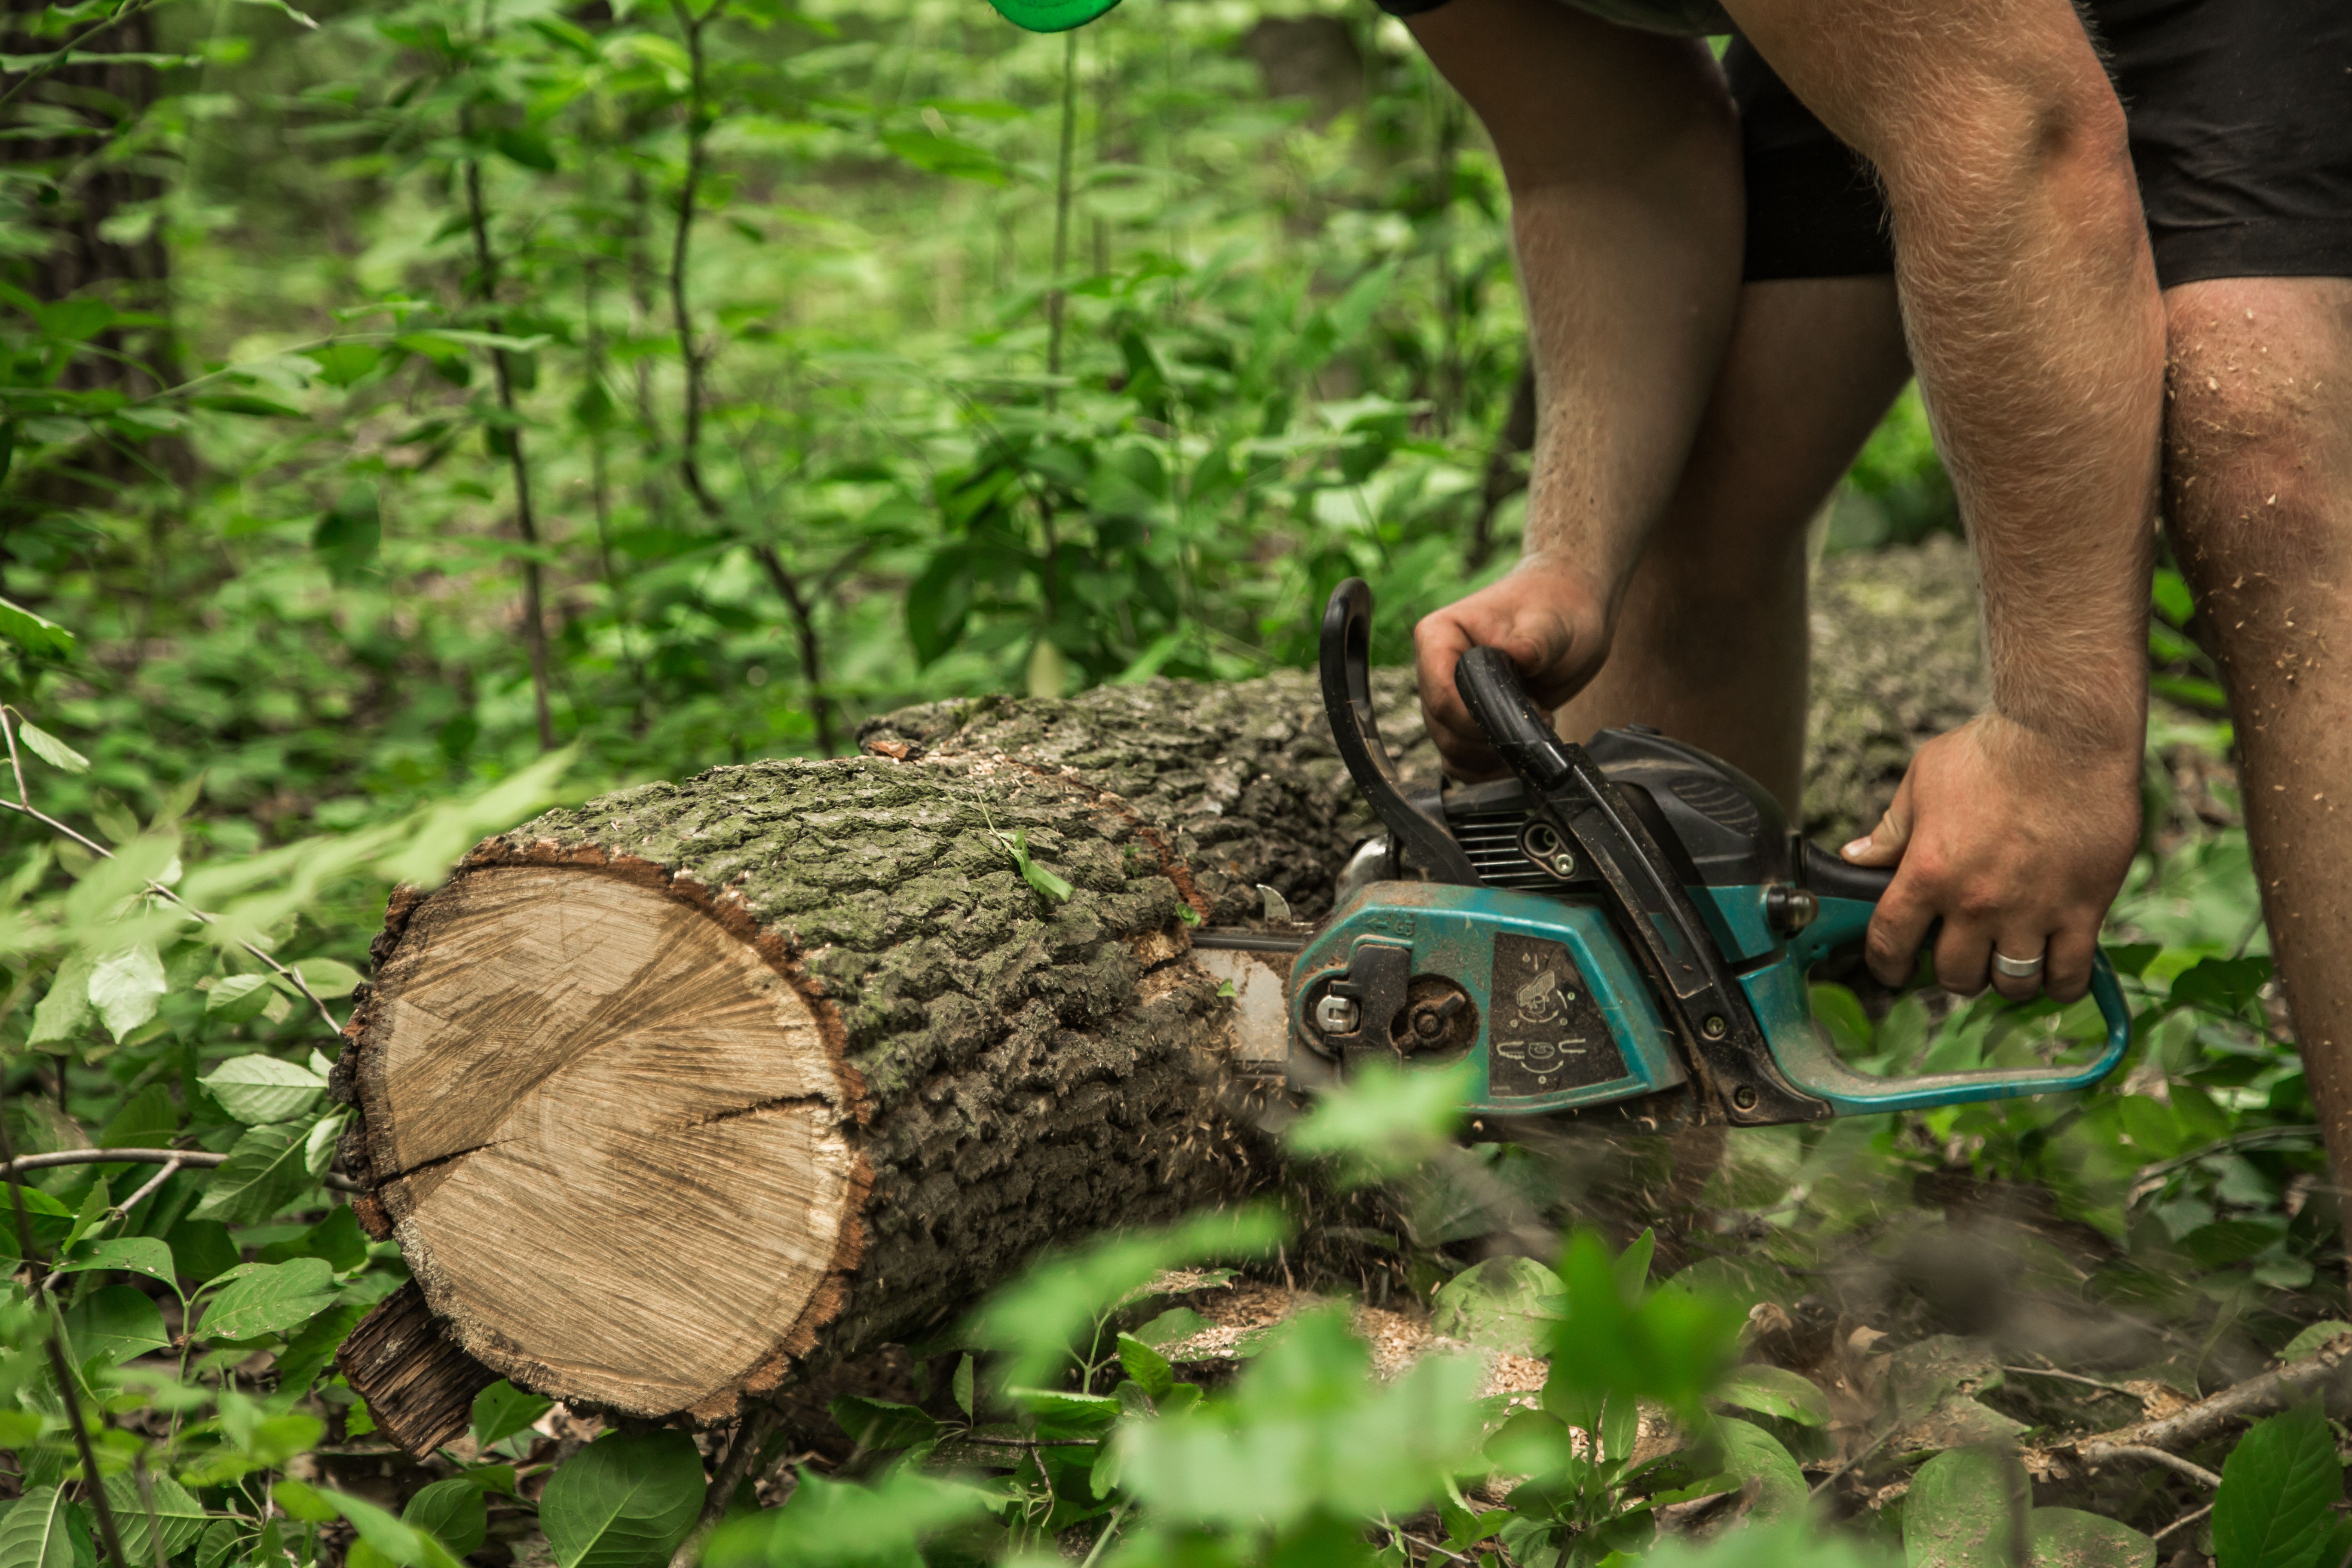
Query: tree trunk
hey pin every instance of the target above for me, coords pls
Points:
(676, 1094)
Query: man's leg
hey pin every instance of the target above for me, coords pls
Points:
(2259, 492)
(1712, 640)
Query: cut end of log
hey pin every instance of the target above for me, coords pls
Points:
(419, 1387)
(612, 1129)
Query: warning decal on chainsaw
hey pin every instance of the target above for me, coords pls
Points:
(1545, 1032)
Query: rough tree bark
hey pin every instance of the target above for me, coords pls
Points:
(672, 1096)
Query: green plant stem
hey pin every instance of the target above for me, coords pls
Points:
(696, 362)
(64, 54)
(69, 1389)
(485, 289)
(1056, 295)
(1109, 1529)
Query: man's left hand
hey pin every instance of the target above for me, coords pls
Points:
(2016, 842)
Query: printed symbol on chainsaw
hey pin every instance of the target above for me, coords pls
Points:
(1549, 1037)
(1543, 999)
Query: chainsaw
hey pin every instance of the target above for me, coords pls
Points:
(1628, 918)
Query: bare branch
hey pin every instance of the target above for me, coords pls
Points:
(2256, 1396)
(193, 1159)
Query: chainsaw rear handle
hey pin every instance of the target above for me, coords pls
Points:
(1848, 897)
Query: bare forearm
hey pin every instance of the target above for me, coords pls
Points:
(2034, 319)
(1629, 289)
(1622, 154)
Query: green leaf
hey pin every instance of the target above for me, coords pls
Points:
(2069, 1537)
(118, 1320)
(51, 749)
(309, 1352)
(2311, 1338)
(623, 1502)
(1754, 1454)
(64, 1007)
(1775, 1391)
(1505, 1304)
(1047, 884)
(237, 998)
(126, 988)
(340, 365)
(269, 1299)
(936, 154)
(132, 1253)
(1174, 1324)
(257, 1089)
(502, 1410)
(527, 147)
(1037, 1316)
(962, 1387)
(938, 601)
(179, 1517)
(401, 1541)
(263, 1174)
(1385, 1119)
(837, 1524)
(1146, 1366)
(329, 978)
(349, 538)
(1967, 1509)
(38, 635)
(45, 1531)
(2278, 1489)
(881, 1423)
(337, 1238)
(452, 1512)
(49, 1220)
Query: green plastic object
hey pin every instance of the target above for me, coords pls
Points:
(1051, 16)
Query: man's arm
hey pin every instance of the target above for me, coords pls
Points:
(1621, 153)
(2037, 330)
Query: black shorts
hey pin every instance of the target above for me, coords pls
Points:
(2241, 118)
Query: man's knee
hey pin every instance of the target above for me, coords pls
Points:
(2259, 438)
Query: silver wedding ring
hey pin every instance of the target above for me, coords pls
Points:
(2017, 968)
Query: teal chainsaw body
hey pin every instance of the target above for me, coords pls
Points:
(1618, 921)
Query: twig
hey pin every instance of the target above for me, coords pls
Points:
(68, 1388)
(1832, 1479)
(2072, 1377)
(750, 1433)
(2186, 1519)
(194, 1158)
(172, 1167)
(2195, 1472)
(2251, 1138)
(65, 52)
(24, 805)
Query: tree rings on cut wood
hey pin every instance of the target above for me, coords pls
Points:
(611, 1131)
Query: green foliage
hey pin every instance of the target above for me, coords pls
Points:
(2280, 1490)
(625, 1501)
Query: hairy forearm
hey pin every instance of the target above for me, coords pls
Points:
(2039, 339)
(2035, 324)
(1630, 298)
(1622, 155)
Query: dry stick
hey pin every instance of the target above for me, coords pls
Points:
(2240, 1402)
(172, 1167)
(485, 277)
(2195, 1472)
(751, 1432)
(193, 1159)
(2072, 1377)
(1832, 1479)
(691, 357)
(2186, 1519)
(69, 1391)
(23, 804)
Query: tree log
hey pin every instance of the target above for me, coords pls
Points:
(672, 1096)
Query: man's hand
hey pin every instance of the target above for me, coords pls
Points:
(1549, 618)
(2016, 842)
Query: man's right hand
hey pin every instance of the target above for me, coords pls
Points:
(1551, 619)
